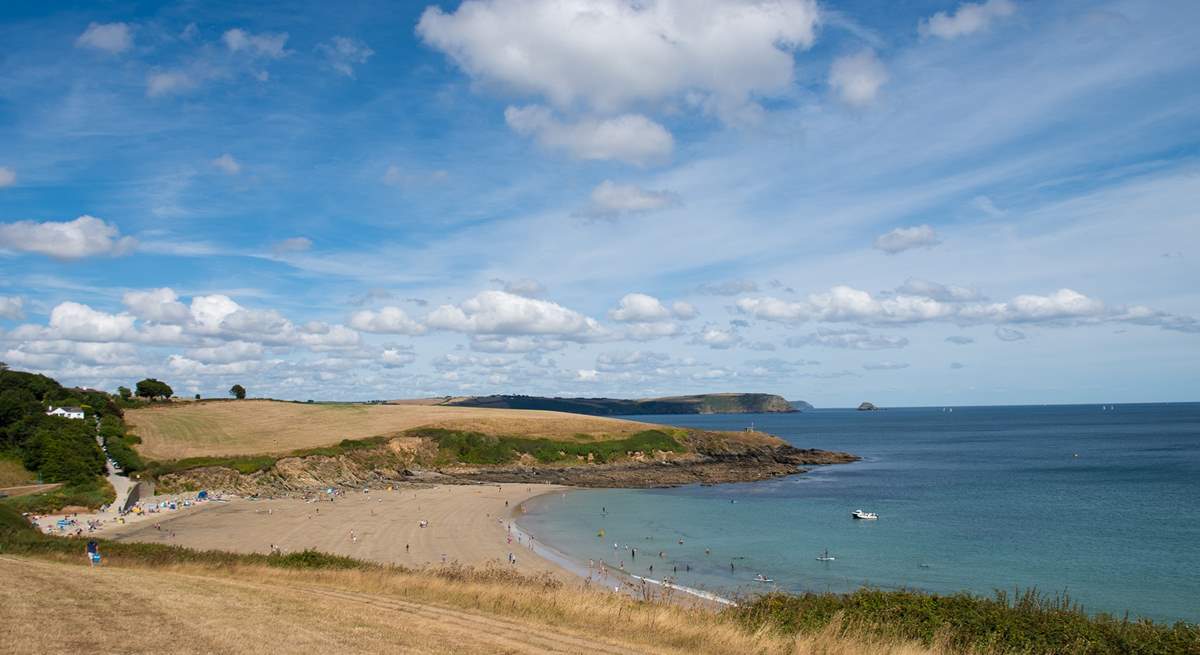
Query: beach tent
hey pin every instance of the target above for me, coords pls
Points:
(203, 495)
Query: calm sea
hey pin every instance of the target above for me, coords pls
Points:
(1101, 504)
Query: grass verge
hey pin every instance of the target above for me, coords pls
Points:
(91, 494)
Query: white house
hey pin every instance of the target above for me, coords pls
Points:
(66, 412)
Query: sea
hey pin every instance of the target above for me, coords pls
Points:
(1097, 502)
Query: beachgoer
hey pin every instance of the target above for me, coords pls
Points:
(93, 552)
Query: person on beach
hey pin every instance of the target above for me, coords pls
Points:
(93, 552)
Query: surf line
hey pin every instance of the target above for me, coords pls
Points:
(546, 552)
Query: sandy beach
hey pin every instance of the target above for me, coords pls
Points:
(467, 524)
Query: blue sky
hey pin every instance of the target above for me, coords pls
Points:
(908, 203)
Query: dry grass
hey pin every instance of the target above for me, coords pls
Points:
(13, 474)
(250, 609)
(251, 427)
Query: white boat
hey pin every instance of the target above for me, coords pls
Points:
(825, 557)
(761, 578)
(865, 516)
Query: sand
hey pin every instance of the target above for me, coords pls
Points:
(466, 524)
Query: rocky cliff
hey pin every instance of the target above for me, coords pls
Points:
(710, 403)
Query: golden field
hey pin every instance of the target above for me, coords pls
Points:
(252, 427)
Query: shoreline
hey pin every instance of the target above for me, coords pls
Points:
(629, 581)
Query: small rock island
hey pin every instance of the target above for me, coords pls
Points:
(867, 407)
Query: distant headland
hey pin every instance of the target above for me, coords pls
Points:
(709, 403)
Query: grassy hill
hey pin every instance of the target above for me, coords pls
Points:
(252, 427)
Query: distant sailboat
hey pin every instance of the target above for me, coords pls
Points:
(825, 557)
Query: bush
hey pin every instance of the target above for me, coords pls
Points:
(478, 448)
(1026, 623)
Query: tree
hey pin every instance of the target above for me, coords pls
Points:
(238, 391)
(125, 393)
(152, 389)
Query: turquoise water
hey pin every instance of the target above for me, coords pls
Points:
(977, 499)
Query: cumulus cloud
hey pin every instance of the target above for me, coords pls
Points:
(113, 38)
(842, 303)
(508, 344)
(232, 351)
(292, 244)
(389, 320)
(959, 340)
(610, 199)
(227, 164)
(717, 337)
(396, 357)
(907, 238)
(158, 305)
(639, 307)
(161, 83)
(607, 55)
(636, 360)
(8, 177)
(630, 138)
(71, 320)
(12, 307)
(1060, 305)
(343, 53)
(266, 45)
(499, 312)
(86, 236)
(852, 339)
(856, 78)
(969, 18)
(884, 366)
(684, 311)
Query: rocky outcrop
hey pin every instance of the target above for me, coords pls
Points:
(711, 458)
(867, 407)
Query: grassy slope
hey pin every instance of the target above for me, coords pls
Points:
(254, 427)
(13, 473)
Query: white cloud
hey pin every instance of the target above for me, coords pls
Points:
(587, 375)
(907, 238)
(527, 287)
(884, 366)
(1062, 304)
(8, 177)
(292, 244)
(158, 305)
(344, 53)
(639, 307)
(648, 331)
(856, 78)
(636, 360)
(71, 320)
(509, 344)
(842, 303)
(959, 340)
(389, 320)
(498, 312)
(227, 164)
(630, 138)
(12, 307)
(264, 45)
(610, 199)
(606, 55)
(969, 18)
(717, 337)
(208, 312)
(395, 357)
(86, 236)
(163, 83)
(113, 38)
(850, 339)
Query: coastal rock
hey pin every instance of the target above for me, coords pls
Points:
(867, 407)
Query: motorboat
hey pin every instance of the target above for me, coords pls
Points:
(761, 578)
(825, 557)
(864, 516)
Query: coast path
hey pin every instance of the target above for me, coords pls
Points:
(466, 523)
